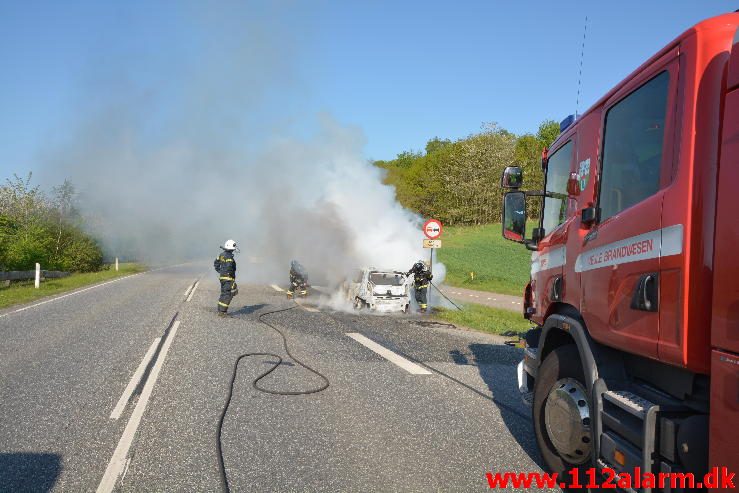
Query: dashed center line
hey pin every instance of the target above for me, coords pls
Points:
(276, 287)
(308, 308)
(192, 293)
(135, 379)
(405, 364)
(118, 462)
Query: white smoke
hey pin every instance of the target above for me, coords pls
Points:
(170, 170)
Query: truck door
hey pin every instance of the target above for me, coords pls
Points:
(547, 263)
(619, 263)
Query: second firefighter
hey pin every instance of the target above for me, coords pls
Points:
(421, 280)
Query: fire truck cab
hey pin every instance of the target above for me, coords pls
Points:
(634, 290)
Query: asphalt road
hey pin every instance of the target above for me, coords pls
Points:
(65, 364)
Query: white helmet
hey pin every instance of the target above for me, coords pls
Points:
(229, 245)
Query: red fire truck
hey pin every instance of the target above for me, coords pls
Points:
(634, 291)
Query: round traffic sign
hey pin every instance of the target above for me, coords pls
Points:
(432, 229)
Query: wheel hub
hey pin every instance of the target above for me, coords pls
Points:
(567, 418)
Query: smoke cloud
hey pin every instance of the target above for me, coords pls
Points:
(216, 145)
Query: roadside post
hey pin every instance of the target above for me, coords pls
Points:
(37, 281)
(432, 229)
(116, 264)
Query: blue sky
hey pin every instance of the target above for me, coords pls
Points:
(403, 72)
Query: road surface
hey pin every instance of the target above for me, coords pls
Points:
(120, 387)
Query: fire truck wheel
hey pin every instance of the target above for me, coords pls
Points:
(561, 411)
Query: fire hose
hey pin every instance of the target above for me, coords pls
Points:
(255, 383)
(445, 296)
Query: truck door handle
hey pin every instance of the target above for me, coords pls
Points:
(646, 295)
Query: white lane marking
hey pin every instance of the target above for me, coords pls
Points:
(309, 308)
(188, 289)
(192, 293)
(408, 366)
(118, 462)
(276, 287)
(489, 299)
(135, 379)
(87, 289)
(70, 294)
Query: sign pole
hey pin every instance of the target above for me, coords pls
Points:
(432, 229)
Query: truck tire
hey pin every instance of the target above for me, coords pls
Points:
(561, 411)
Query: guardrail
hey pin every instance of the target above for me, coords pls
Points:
(27, 275)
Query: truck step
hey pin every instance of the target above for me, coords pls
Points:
(528, 398)
(627, 432)
(634, 404)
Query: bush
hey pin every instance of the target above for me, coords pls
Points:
(35, 228)
(82, 254)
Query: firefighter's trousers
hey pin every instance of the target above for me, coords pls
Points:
(422, 296)
(227, 293)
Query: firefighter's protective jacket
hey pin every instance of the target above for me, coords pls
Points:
(225, 265)
(298, 277)
(421, 277)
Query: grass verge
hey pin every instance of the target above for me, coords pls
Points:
(24, 292)
(485, 319)
(499, 265)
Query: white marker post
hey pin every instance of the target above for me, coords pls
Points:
(116, 264)
(37, 282)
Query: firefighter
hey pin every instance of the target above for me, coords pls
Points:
(225, 265)
(298, 280)
(421, 279)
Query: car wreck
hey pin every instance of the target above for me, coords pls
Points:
(380, 290)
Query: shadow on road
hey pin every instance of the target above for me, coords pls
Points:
(248, 309)
(21, 471)
(497, 367)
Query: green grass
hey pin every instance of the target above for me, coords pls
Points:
(24, 292)
(500, 266)
(485, 319)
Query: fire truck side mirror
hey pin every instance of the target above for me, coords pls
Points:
(514, 216)
(588, 216)
(512, 178)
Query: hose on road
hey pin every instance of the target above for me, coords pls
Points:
(255, 383)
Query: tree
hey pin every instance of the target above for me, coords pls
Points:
(459, 182)
(63, 202)
(48, 230)
(436, 144)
